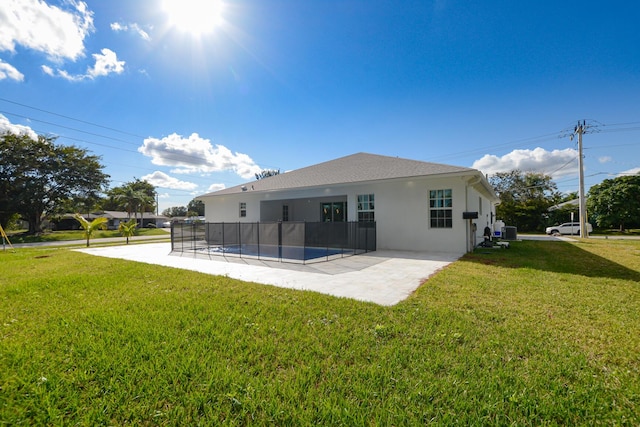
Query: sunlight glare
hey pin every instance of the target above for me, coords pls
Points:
(194, 16)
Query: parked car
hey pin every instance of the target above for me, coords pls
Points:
(567, 228)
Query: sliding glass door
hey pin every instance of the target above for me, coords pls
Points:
(334, 212)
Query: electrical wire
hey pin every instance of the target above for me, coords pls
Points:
(520, 143)
(71, 118)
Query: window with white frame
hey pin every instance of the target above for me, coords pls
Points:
(366, 208)
(441, 208)
(243, 209)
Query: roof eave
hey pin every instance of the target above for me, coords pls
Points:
(239, 189)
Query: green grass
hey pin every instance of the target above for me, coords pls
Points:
(617, 232)
(62, 236)
(545, 333)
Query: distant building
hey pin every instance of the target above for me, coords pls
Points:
(149, 219)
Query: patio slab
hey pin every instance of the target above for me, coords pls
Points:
(381, 277)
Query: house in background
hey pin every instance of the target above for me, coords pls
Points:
(147, 219)
(416, 206)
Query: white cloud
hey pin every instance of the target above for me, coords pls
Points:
(51, 30)
(196, 154)
(161, 179)
(216, 187)
(117, 27)
(7, 126)
(106, 63)
(62, 73)
(634, 171)
(604, 159)
(8, 71)
(556, 163)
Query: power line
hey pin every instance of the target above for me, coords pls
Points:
(594, 126)
(176, 156)
(562, 167)
(512, 144)
(198, 178)
(71, 118)
(516, 143)
(68, 127)
(184, 156)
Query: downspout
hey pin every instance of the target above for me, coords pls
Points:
(468, 223)
(470, 232)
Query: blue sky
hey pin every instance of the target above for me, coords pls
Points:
(199, 95)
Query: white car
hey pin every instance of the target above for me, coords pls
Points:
(567, 228)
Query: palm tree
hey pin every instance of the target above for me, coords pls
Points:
(135, 201)
(90, 227)
(131, 199)
(128, 229)
(146, 202)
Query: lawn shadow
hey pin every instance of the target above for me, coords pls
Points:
(554, 256)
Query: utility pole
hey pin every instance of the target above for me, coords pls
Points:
(579, 130)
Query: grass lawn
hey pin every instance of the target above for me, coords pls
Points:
(545, 333)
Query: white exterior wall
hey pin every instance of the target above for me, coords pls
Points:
(402, 215)
(476, 202)
(227, 208)
(401, 210)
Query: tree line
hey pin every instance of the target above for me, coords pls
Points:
(41, 178)
(194, 208)
(526, 199)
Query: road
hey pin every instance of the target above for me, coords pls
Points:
(547, 237)
(93, 241)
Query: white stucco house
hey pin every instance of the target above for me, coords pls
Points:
(416, 206)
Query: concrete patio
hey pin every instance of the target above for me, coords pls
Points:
(381, 277)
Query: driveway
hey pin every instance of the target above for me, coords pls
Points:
(381, 277)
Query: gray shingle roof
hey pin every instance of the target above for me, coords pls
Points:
(360, 167)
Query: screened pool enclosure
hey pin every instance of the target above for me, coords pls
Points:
(296, 242)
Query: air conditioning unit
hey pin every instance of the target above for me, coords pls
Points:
(510, 233)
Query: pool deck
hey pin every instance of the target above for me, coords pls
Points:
(381, 277)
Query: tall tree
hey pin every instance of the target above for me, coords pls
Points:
(38, 177)
(131, 200)
(615, 202)
(524, 198)
(175, 211)
(132, 197)
(195, 208)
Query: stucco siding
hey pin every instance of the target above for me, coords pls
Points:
(402, 216)
(401, 210)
